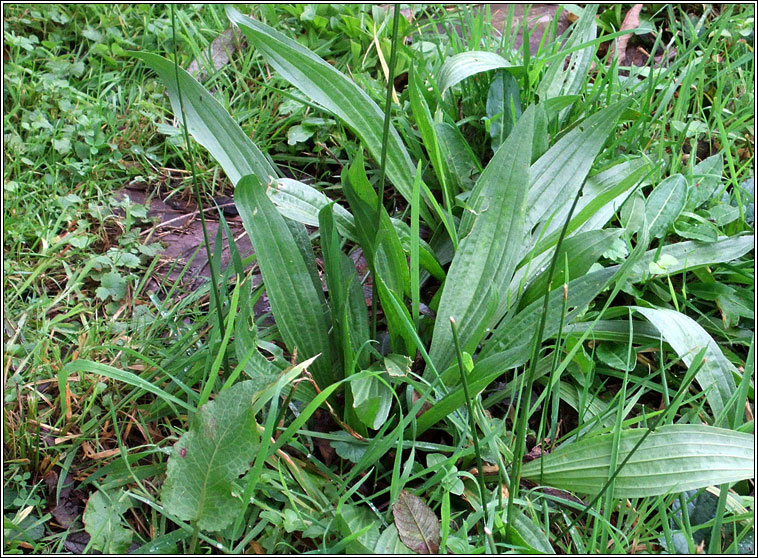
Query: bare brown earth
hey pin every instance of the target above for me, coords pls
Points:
(539, 18)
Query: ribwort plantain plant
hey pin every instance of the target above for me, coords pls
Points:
(518, 256)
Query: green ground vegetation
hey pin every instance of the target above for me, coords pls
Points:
(547, 344)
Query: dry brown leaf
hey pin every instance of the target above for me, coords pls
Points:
(631, 21)
(221, 49)
(417, 525)
(256, 548)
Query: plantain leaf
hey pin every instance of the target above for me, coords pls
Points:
(207, 459)
(486, 257)
(349, 315)
(466, 64)
(562, 79)
(580, 251)
(633, 212)
(462, 164)
(213, 128)
(210, 124)
(332, 90)
(603, 193)
(707, 179)
(559, 173)
(372, 399)
(695, 227)
(688, 255)
(381, 246)
(616, 330)
(425, 124)
(509, 345)
(529, 535)
(672, 459)
(687, 338)
(418, 527)
(257, 366)
(298, 306)
(664, 204)
(503, 107)
(302, 203)
(602, 196)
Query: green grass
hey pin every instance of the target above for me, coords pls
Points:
(567, 352)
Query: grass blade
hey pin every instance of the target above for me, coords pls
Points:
(122, 376)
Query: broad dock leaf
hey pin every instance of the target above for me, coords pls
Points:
(217, 449)
(103, 521)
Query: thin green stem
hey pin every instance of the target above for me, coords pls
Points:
(383, 158)
(471, 421)
(682, 390)
(523, 416)
(196, 192)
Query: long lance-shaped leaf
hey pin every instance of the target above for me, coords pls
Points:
(606, 190)
(665, 203)
(580, 252)
(302, 203)
(381, 246)
(558, 174)
(298, 307)
(486, 257)
(348, 306)
(601, 198)
(687, 337)
(674, 458)
(561, 79)
(688, 255)
(509, 338)
(466, 64)
(213, 128)
(210, 124)
(337, 94)
(589, 286)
